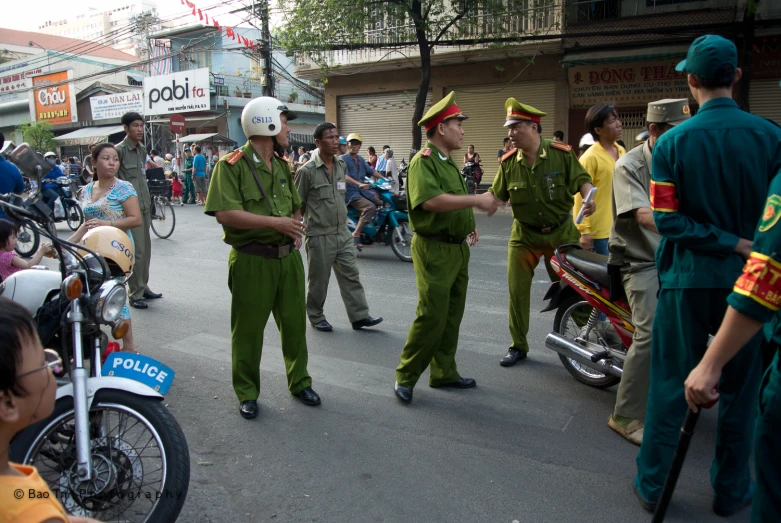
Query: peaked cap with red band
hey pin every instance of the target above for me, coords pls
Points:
(518, 112)
(442, 111)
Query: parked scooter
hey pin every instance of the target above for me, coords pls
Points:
(390, 224)
(592, 348)
(110, 450)
(470, 173)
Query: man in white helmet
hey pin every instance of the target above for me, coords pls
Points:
(253, 198)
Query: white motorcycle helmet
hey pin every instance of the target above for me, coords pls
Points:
(49, 154)
(260, 117)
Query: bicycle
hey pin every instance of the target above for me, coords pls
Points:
(163, 215)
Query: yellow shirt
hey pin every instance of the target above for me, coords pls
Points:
(599, 164)
(27, 498)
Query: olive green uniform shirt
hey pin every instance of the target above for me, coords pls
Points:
(430, 176)
(326, 212)
(131, 169)
(541, 195)
(233, 188)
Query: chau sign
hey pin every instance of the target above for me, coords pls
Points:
(51, 100)
(181, 92)
(115, 105)
(627, 85)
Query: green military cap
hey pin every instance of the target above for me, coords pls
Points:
(443, 110)
(518, 112)
(707, 55)
(671, 111)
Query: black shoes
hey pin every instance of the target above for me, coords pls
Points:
(248, 409)
(149, 295)
(323, 326)
(460, 383)
(366, 322)
(745, 502)
(649, 506)
(404, 394)
(138, 304)
(308, 397)
(513, 357)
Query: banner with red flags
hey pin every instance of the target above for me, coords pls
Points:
(229, 32)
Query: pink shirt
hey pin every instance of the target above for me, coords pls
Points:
(6, 269)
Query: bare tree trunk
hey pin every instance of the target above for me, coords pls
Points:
(425, 74)
(746, 55)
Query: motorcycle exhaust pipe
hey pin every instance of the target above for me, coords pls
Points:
(574, 351)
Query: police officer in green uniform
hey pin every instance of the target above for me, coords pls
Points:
(444, 224)
(539, 177)
(253, 198)
(710, 177)
(755, 300)
(188, 194)
(321, 185)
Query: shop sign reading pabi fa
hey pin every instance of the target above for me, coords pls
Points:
(181, 92)
(627, 85)
(51, 100)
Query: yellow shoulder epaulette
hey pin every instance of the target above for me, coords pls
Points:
(561, 146)
(234, 157)
(508, 154)
(425, 152)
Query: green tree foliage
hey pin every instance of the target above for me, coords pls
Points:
(38, 135)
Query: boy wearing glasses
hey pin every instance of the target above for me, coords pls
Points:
(27, 394)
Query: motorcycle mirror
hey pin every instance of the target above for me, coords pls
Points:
(29, 162)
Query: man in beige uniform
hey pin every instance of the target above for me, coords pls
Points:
(321, 183)
(633, 243)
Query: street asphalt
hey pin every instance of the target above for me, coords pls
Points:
(529, 444)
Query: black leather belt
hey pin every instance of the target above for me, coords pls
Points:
(266, 250)
(443, 238)
(548, 228)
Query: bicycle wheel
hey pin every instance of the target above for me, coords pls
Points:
(164, 218)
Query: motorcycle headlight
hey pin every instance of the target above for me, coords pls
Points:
(109, 301)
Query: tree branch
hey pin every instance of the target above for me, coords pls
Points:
(450, 24)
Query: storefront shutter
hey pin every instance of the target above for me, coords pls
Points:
(484, 105)
(764, 96)
(380, 119)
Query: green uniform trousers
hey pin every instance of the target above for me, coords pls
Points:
(142, 242)
(767, 450)
(335, 251)
(260, 286)
(442, 277)
(684, 318)
(524, 251)
(641, 288)
(188, 191)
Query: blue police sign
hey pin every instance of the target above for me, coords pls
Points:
(140, 368)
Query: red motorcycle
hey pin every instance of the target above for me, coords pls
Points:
(593, 326)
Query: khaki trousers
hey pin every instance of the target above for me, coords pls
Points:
(143, 253)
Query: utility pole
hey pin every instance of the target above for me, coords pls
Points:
(265, 48)
(143, 23)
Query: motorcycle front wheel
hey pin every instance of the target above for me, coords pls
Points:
(27, 240)
(401, 241)
(570, 320)
(141, 463)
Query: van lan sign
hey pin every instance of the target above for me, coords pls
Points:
(181, 92)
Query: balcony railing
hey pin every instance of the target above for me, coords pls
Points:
(590, 10)
(543, 16)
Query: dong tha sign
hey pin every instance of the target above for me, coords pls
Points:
(180, 92)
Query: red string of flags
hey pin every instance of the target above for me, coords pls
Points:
(229, 32)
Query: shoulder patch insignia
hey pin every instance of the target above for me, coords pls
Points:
(772, 213)
(561, 146)
(234, 157)
(425, 152)
(508, 154)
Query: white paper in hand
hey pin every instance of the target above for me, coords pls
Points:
(589, 199)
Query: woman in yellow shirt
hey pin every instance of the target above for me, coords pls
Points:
(599, 161)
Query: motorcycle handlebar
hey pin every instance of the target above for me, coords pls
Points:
(5, 203)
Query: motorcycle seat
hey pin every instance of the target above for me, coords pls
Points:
(591, 264)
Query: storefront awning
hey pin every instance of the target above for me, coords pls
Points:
(625, 55)
(88, 135)
(302, 132)
(207, 138)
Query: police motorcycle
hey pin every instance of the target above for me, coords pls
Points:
(390, 224)
(110, 450)
(593, 327)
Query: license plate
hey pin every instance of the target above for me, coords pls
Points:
(140, 368)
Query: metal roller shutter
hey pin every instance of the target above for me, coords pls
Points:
(380, 119)
(485, 109)
(764, 99)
